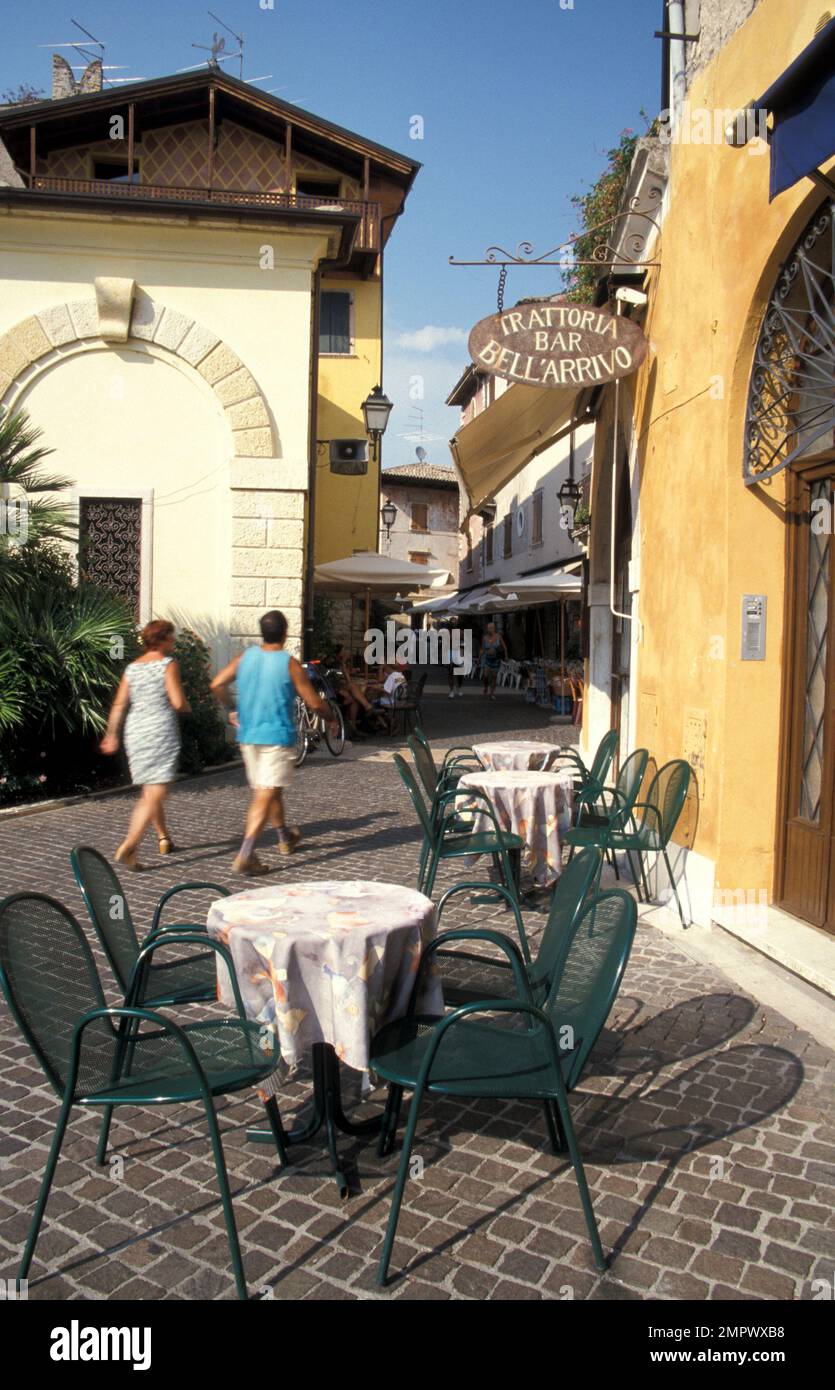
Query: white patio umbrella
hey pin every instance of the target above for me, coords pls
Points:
(533, 589)
(371, 573)
(379, 574)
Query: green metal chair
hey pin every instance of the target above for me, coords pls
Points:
(541, 1058)
(589, 781)
(166, 983)
(595, 826)
(461, 756)
(93, 1055)
(444, 838)
(435, 781)
(658, 819)
(567, 901)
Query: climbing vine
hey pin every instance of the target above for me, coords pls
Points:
(598, 205)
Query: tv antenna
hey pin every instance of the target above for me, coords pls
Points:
(78, 46)
(218, 46)
(83, 50)
(415, 431)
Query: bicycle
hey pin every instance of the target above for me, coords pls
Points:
(312, 728)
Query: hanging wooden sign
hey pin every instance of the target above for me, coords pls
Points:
(554, 342)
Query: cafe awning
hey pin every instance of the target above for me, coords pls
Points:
(801, 103)
(497, 444)
(540, 588)
(370, 572)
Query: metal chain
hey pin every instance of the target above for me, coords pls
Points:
(500, 294)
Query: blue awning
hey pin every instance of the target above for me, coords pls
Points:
(802, 104)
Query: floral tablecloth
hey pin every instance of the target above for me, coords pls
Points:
(517, 755)
(326, 961)
(535, 805)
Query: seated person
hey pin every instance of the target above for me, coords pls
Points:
(393, 677)
(350, 695)
(396, 676)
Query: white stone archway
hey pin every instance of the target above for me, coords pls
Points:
(118, 314)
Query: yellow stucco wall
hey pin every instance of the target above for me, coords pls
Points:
(706, 539)
(346, 507)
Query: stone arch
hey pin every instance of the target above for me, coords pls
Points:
(116, 317)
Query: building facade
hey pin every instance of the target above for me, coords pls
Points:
(719, 459)
(191, 310)
(425, 529)
(528, 533)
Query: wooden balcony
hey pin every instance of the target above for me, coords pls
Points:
(368, 232)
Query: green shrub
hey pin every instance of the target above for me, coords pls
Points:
(204, 730)
(62, 652)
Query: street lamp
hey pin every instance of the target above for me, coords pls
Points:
(388, 515)
(569, 496)
(376, 409)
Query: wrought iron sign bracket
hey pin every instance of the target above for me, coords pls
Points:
(606, 253)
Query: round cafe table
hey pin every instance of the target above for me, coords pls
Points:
(517, 755)
(535, 805)
(325, 965)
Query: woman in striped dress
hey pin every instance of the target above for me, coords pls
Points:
(149, 699)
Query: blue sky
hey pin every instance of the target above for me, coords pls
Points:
(519, 105)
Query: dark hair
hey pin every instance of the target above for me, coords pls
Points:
(273, 626)
(155, 633)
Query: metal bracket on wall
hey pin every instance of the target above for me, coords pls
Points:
(620, 252)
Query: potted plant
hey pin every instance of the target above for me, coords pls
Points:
(581, 523)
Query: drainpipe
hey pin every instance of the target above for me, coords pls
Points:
(613, 517)
(678, 61)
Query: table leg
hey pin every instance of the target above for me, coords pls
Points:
(327, 1111)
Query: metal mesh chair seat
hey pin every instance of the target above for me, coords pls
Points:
(468, 977)
(483, 842)
(478, 1059)
(540, 1056)
(643, 837)
(169, 982)
(175, 981)
(95, 1055)
(154, 1062)
(442, 835)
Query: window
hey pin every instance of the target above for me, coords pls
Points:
(420, 516)
(335, 322)
(536, 519)
(319, 188)
(419, 557)
(110, 546)
(114, 170)
(488, 545)
(469, 557)
(507, 548)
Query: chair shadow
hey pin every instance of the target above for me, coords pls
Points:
(686, 1103)
(696, 1025)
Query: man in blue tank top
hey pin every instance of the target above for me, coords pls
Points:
(268, 680)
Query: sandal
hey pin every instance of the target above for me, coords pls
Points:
(127, 857)
(166, 845)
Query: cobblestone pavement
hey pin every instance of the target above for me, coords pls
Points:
(705, 1122)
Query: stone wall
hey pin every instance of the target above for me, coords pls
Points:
(716, 21)
(267, 555)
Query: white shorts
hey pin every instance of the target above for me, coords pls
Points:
(268, 765)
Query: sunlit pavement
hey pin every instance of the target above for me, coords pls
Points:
(705, 1120)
